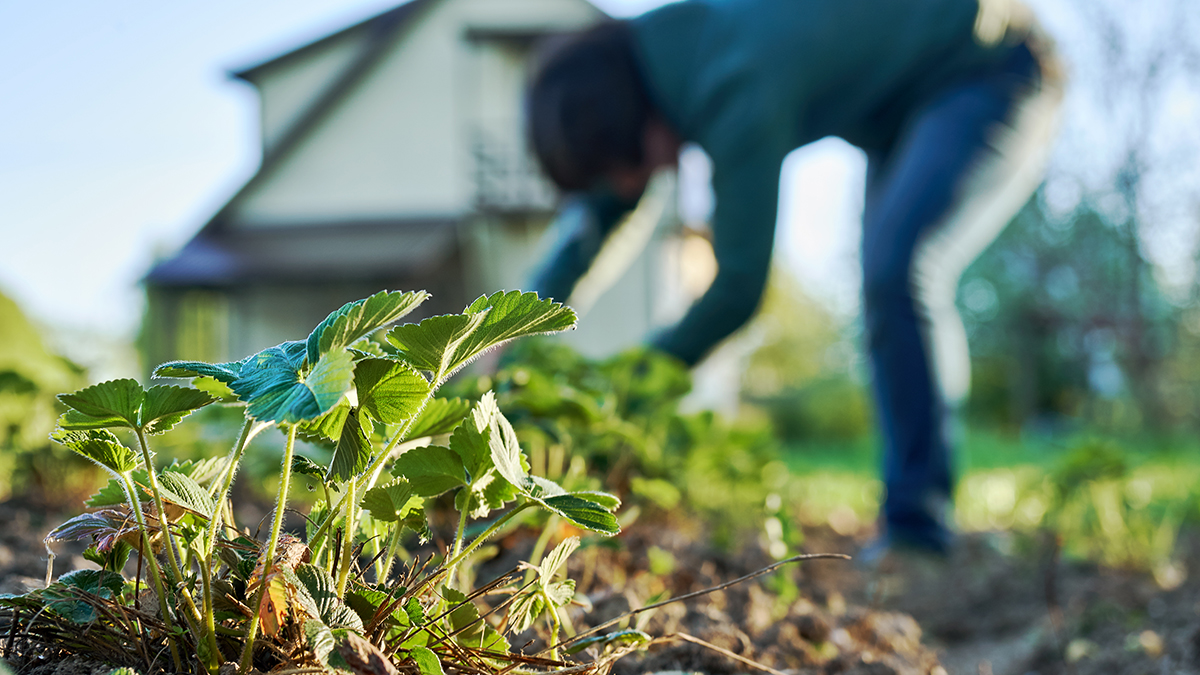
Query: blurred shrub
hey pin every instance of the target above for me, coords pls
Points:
(826, 409)
(621, 417)
(30, 378)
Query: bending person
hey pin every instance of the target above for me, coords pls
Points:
(953, 102)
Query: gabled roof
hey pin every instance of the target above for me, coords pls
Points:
(214, 250)
(381, 24)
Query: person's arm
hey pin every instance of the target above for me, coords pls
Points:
(747, 195)
(583, 224)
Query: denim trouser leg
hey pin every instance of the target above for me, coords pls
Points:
(960, 169)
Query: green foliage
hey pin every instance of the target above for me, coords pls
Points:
(30, 376)
(380, 412)
(620, 418)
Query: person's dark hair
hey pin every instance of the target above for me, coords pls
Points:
(587, 106)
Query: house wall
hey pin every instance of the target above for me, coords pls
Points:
(291, 86)
(399, 144)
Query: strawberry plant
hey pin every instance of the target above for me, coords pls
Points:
(206, 592)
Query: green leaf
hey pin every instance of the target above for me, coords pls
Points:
(225, 373)
(320, 639)
(512, 315)
(561, 593)
(306, 467)
(391, 502)
(505, 450)
(183, 491)
(617, 639)
(272, 386)
(604, 499)
(101, 446)
(433, 344)
(355, 320)
(390, 391)
(584, 513)
(164, 406)
(440, 416)
(471, 439)
(431, 470)
(475, 632)
(427, 661)
(443, 344)
(490, 496)
(353, 451)
(323, 590)
(115, 402)
(525, 609)
(326, 427)
(555, 560)
(64, 595)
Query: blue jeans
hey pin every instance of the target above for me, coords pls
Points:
(961, 167)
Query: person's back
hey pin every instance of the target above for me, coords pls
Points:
(806, 69)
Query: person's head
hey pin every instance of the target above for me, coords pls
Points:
(590, 118)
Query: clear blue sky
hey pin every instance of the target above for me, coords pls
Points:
(121, 133)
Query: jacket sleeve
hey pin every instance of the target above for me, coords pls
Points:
(747, 195)
(582, 225)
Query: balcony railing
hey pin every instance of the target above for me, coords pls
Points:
(507, 179)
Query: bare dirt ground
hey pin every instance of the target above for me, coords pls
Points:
(984, 611)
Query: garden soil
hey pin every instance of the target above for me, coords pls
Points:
(998, 606)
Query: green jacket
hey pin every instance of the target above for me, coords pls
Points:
(750, 81)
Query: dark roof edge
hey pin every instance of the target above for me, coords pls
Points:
(390, 17)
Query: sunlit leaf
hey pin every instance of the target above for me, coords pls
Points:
(525, 609)
(353, 451)
(225, 373)
(439, 416)
(582, 512)
(427, 661)
(273, 611)
(505, 451)
(272, 386)
(556, 558)
(164, 406)
(112, 400)
(433, 344)
(327, 427)
(512, 315)
(390, 391)
(561, 593)
(101, 446)
(360, 318)
(431, 470)
(183, 491)
(391, 502)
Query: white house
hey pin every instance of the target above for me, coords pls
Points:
(393, 157)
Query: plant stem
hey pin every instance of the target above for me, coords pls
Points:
(552, 618)
(214, 526)
(539, 547)
(193, 616)
(458, 537)
(487, 533)
(148, 555)
(350, 526)
(391, 554)
(269, 556)
(371, 474)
